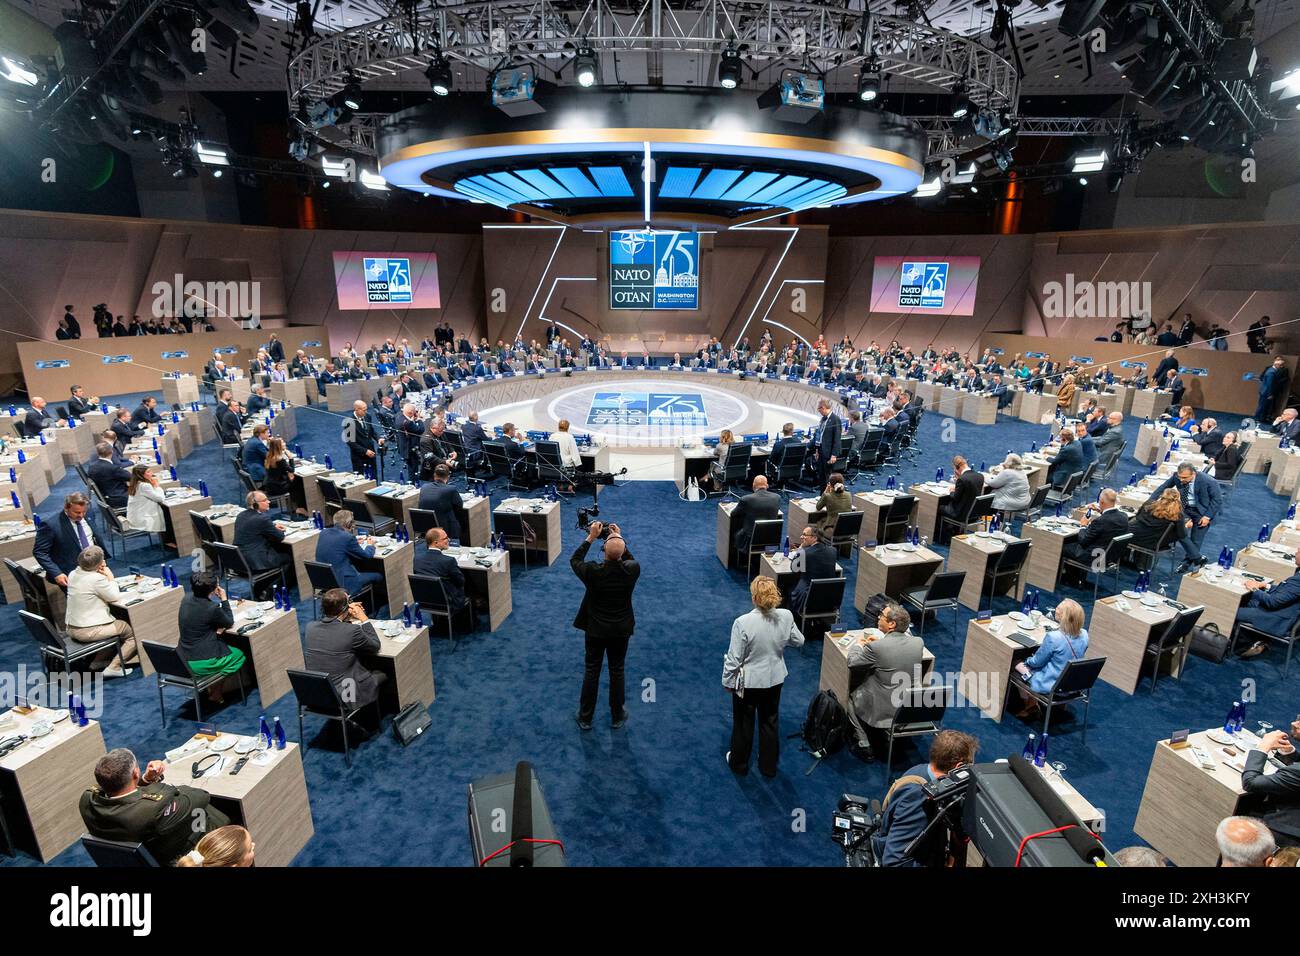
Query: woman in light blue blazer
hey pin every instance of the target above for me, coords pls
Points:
(753, 671)
(1069, 642)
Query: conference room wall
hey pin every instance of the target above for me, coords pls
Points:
(49, 260)
(1223, 389)
(532, 274)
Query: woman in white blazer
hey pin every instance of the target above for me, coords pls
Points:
(144, 510)
(753, 671)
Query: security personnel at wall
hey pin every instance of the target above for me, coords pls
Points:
(131, 807)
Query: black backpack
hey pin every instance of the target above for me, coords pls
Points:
(876, 604)
(825, 728)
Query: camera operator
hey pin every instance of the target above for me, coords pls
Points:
(908, 811)
(606, 616)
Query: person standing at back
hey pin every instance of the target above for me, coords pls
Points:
(606, 617)
(753, 671)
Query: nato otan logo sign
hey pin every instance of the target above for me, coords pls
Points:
(654, 270)
(923, 285)
(388, 280)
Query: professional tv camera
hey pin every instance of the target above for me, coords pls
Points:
(857, 820)
(595, 480)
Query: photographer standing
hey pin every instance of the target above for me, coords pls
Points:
(607, 618)
(905, 816)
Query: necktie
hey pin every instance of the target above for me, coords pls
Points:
(81, 535)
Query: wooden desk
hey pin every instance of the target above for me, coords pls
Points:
(180, 389)
(874, 506)
(1275, 562)
(202, 424)
(178, 508)
(1152, 443)
(891, 572)
(979, 409)
(1222, 596)
(475, 517)
(1150, 402)
(405, 657)
(394, 561)
(152, 610)
(293, 391)
(780, 569)
(273, 648)
(1122, 636)
(1049, 536)
(17, 538)
(835, 674)
(973, 554)
(1033, 407)
(990, 658)
(1286, 533)
(1183, 804)
(691, 463)
(7, 490)
(339, 396)
(43, 779)
(492, 583)
(543, 517)
(929, 499)
(75, 444)
(1283, 470)
(268, 799)
(396, 503)
(32, 480)
(1260, 453)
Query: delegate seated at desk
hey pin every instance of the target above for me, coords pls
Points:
(759, 505)
(253, 455)
(818, 561)
(333, 644)
(892, 664)
(339, 548)
(259, 538)
(436, 563)
(200, 623)
(1272, 609)
(1068, 461)
(109, 478)
(1280, 790)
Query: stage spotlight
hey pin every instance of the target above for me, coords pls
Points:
(1002, 157)
(929, 188)
(515, 89)
(869, 82)
(211, 156)
(439, 75)
(585, 66)
(351, 94)
(961, 103)
(1089, 162)
(373, 181)
(729, 68)
(216, 174)
(1083, 180)
(796, 98)
(16, 72)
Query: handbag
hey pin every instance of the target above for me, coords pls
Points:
(410, 722)
(1209, 643)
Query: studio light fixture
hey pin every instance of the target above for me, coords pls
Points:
(961, 103)
(373, 181)
(729, 68)
(211, 155)
(869, 82)
(16, 72)
(438, 73)
(351, 95)
(585, 66)
(929, 188)
(1089, 162)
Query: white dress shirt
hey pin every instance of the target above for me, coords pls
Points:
(568, 449)
(144, 508)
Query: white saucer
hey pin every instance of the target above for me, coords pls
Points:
(893, 547)
(1152, 601)
(1027, 625)
(1018, 616)
(1132, 594)
(222, 743)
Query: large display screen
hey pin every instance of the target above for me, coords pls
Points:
(654, 270)
(387, 280)
(940, 285)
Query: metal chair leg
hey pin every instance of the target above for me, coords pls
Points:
(198, 708)
(162, 708)
(347, 752)
(889, 754)
(1087, 704)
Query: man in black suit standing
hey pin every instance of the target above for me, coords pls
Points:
(759, 505)
(816, 560)
(335, 643)
(359, 435)
(409, 431)
(436, 563)
(229, 421)
(71, 323)
(1162, 370)
(110, 479)
(60, 539)
(442, 499)
(258, 538)
(275, 349)
(607, 618)
(967, 485)
(827, 440)
(1090, 545)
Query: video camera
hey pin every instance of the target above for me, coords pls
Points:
(584, 520)
(857, 819)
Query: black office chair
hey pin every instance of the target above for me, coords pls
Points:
(322, 578)
(117, 854)
(1003, 572)
(551, 468)
(845, 532)
(785, 465)
(1171, 639)
(514, 470)
(172, 671)
(1030, 511)
(920, 715)
(206, 535)
(897, 518)
(232, 564)
(430, 594)
(35, 596)
(1289, 640)
(825, 595)
(1074, 684)
(1103, 563)
(733, 471)
(366, 520)
(942, 592)
(516, 532)
(1107, 471)
(57, 647)
(766, 534)
(1146, 559)
(422, 520)
(116, 528)
(979, 508)
(1063, 496)
(317, 695)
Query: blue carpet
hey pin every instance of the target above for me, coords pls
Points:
(656, 792)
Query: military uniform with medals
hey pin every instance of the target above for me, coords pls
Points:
(159, 815)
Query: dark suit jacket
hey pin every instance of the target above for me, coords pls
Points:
(363, 440)
(199, 620)
(144, 415)
(111, 481)
(818, 562)
(228, 424)
(756, 506)
(1211, 442)
(1282, 601)
(830, 438)
(253, 456)
(256, 536)
(471, 436)
(967, 488)
(434, 563)
(256, 403)
(34, 422)
(57, 546)
(1068, 460)
(606, 610)
(1205, 490)
(1102, 529)
(333, 647)
(125, 431)
(1163, 369)
(339, 550)
(444, 500)
(77, 407)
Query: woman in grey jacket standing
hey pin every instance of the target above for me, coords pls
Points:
(753, 671)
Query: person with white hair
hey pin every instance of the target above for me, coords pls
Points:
(1244, 842)
(1140, 856)
(1010, 485)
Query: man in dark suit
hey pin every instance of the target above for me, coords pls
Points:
(1273, 610)
(257, 400)
(1068, 460)
(827, 439)
(1288, 425)
(816, 559)
(339, 548)
(1273, 386)
(967, 486)
(385, 413)
(335, 643)
(442, 499)
(1209, 436)
(125, 431)
(1167, 363)
(258, 538)
(1176, 388)
(472, 435)
(37, 418)
(1112, 439)
(906, 818)
(785, 438)
(1280, 790)
(229, 422)
(109, 478)
(1098, 532)
(759, 505)
(359, 435)
(146, 413)
(409, 431)
(606, 617)
(1202, 500)
(891, 664)
(435, 562)
(275, 349)
(60, 539)
(79, 405)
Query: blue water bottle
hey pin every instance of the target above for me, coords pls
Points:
(172, 471)
(1290, 512)
(13, 496)
(406, 615)
(1223, 557)
(175, 419)
(1024, 604)
(1031, 746)
(82, 720)
(1168, 455)
(1133, 478)
(1263, 533)
(1241, 718)
(22, 458)
(983, 467)
(203, 488)
(1040, 753)
(1033, 447)
(263, 730)
(1230, 722)
(155, 442)
(1152, 470)
(157, 458)
(329, 462)
(785, 546)
(938, 474)
(419, 618)
(279, 735)
(1058, 509)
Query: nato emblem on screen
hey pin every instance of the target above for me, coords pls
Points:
(922, 285)
(653, 270)
(647, 408)
(388, 280)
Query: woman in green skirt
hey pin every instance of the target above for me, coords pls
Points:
(202, 621)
